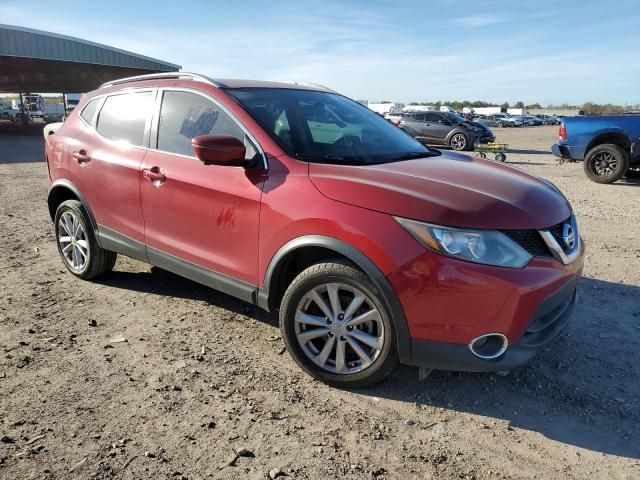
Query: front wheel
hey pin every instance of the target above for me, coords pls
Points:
(606, 163)
(459, 142)
(336, 326)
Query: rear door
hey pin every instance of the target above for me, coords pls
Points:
(105, 159)
(414, 123)
(201, 221)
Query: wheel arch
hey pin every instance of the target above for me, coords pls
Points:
(616, 137)
(456, 131)
(62, 190)
(319, 247)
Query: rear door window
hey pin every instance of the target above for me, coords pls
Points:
(123, 117)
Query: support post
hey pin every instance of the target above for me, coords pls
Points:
(25, 120)
(64, 106)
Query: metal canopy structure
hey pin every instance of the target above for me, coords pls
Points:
(37, 61)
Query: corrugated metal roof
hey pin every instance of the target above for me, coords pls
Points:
(29, 43)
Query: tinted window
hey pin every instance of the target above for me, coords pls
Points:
(89, 110)
(419, 117)
(123, 117)
(433, 117)
(185, 115)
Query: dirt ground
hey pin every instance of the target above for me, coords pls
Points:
(201, 375)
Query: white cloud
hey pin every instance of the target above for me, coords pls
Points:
(480, 20)
(363, 56)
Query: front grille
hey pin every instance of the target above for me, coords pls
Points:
(556, 231)
(530, 240)
(533, 243)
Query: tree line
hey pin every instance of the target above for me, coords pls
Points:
(588, 108)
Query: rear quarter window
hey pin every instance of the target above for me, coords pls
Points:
(89, 111)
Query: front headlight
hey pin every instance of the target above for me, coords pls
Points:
(489, 247)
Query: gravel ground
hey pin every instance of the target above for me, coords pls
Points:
(200, 386)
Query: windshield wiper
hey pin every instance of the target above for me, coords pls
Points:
(329, 158)
(415, 155)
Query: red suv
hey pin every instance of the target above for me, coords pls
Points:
(373, 248)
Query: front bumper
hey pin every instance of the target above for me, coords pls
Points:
(448, 303)
(485, 138)
(549, 320)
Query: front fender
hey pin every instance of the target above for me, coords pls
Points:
(364, 263)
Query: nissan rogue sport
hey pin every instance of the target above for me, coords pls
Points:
(373, 248)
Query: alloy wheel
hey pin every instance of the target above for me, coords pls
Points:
(73, 242)
(339, 328)
(458, 142)
(604, 164)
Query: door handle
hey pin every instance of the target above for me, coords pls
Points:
(155, 175)
(82, 157)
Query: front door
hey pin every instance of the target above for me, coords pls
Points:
(439, 128)
(201, 221)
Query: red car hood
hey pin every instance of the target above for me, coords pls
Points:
(452, 189)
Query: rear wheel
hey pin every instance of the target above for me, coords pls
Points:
(459, 142)
(77, 243)
(500, 124)
(606, 163)
(336, 326)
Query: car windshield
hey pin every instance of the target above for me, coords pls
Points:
(454, 117)
(329, 128)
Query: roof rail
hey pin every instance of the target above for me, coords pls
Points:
(161, 76)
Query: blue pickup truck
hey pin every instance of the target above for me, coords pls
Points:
(609, 146)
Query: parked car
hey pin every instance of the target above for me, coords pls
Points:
(547, 119)
(498, 121)
(532, 120)
(8, 114)
(609, 146)
(445, 129)
(372, 247)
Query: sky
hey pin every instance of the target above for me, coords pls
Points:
(545, 51)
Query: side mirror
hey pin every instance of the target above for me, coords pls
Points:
(219, 150)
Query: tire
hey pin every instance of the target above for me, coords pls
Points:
(318, 355)
(77, 244)
(606, 163)
(633, 172)
(500, 125)
(459, 142)
(500, 157)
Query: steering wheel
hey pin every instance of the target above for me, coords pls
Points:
(349, 141)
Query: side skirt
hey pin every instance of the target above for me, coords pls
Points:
(112, 240)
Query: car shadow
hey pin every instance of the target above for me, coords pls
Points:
(21, 146)
(583, 390)
(524, 163)
(161, 282)
(529, 151)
